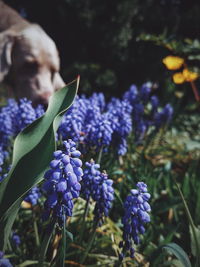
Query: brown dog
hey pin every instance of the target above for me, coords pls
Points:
(28, 57)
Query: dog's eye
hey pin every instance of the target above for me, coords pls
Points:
(52, 74)
(30, 66)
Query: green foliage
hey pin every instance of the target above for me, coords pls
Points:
(179, 253)
(194, 245)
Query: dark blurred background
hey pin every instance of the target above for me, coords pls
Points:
(100, 39)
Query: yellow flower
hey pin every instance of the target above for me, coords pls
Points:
(172, 62)
(189, 75)
(178, 78)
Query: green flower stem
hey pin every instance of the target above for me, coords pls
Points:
(84, 219)
(100, 155)
(86, 209)
(191, 223)
(63, 249)
(90, 244)
(44, 246)
(195, 91)
(37, 238)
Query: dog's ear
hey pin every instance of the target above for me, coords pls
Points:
(6, 44)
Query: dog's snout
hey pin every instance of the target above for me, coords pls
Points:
(46, 95)
(44, 98)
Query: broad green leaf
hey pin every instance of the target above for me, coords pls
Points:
(69, 235)
(27, 263)
(192, 226)
(179, 253)
(32, 153)
(173, 263)
(193, 243)
(194, 57)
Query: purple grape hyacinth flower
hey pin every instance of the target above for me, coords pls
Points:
(145, 91)
(16, 240)
(119, 114)
(14, 117)
(33, 196)
(62, 182)
(163, 117)
(136, 215)
(4, 262)
(97, 186)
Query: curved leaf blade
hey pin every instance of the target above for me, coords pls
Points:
(179, 253)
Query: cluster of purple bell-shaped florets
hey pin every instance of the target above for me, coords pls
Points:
(14, 117)
(136, 216)
(141, 101)
(3, 261)
(97, 186)
(33, 196)
(16, 240)
(62, 182)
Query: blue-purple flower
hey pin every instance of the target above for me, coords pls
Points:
(62, 182)
(16, 240)
(25, 114)
(154, 103)
(73, 122)
(4, 262)
(97, 186)
(33, 196)
(145, 91)
(136, 209)
(142, 117)
(119, 114)
(164, 116)
(14, 117)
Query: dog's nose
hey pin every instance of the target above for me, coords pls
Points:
(44, 98)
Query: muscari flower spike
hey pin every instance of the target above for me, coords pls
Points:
(4, 262)
(136, 208)
(164, 116)
(26, 114)
(119, 114)
(97, 186)
(62, 182)
(33, 196)
(14, 117)
(16, 240)
(145, 91)
(131, 95)
(99, 132)
(73, 121)
(98, 99)
(154, 103)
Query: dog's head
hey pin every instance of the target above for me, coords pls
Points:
(31, 61)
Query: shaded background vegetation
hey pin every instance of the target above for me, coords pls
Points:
(99, 39)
